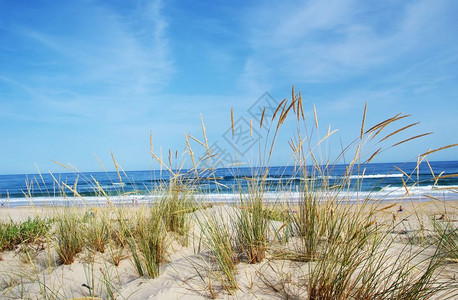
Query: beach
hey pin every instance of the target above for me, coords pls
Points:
(188, 271)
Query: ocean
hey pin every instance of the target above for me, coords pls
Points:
(383, 181)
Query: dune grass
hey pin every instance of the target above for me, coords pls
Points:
(69, 235)
(14, 234)
(97, 230)
(217, 234)
(447, 238)
(149, 238)
(252, 226)
(176, 205)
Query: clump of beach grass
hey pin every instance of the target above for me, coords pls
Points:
(69, 235)
(218, 238)
(176, 206)
(369, 269)
(97, 230)
(252, 226)
(356, 258)
(309, 224)
(14, 234)
(447, 238)
(148, 241)
(121, 227)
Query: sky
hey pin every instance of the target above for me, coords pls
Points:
(83, 79)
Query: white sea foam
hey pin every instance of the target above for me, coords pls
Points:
(365, 176)
(369, 176)
(389, 193)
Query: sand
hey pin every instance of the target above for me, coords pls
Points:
(93, 274)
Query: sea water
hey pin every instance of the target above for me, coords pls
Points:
(382, 181)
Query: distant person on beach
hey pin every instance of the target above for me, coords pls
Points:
(400, 208)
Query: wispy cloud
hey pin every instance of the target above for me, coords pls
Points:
(103, 58)
(325, 41)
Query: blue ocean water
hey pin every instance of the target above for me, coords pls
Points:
(375, 179)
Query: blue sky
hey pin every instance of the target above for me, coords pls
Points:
(83, 78)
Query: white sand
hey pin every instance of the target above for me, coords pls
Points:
(179, 278)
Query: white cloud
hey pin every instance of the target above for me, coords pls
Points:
(324, 41)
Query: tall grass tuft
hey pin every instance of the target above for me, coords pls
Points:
(349, 271)
(176, 206)
(97, 231)
(447, 235)
(218, 239)
(69, 235)
(252, 226)
(148, 242)
(309, 224)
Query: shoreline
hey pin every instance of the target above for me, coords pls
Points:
(227, 198)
